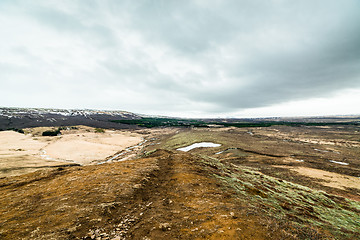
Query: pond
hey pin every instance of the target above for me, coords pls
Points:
(198, 145)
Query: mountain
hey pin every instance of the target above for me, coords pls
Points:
(48, 117)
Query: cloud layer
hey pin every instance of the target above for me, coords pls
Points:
(177, 57)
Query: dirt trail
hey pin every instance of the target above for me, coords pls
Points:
(182, 202)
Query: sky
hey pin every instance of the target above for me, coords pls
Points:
(198, 58)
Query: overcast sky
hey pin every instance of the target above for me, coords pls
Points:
(198, 58)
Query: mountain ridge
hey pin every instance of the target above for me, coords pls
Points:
(49, 117)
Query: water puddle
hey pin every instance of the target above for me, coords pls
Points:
(198, 145)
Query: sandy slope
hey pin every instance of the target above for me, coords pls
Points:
(331, 179)
(17, 144)
(20, 153)
(88, 147)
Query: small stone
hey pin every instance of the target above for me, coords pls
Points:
(232, 214)
(165, 226)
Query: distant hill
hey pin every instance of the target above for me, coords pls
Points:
(40, 117)
(18, 118)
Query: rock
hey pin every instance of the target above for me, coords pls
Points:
(232, 214)
(165, 226)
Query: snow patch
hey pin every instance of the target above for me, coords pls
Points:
(199, 145)
(341, 163)
(318, 150)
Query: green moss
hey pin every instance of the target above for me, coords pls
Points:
(290, 202)
(99, 130)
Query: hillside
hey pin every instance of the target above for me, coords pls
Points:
(276, 182)
(166, 195)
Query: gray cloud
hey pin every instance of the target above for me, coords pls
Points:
(177, 56)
